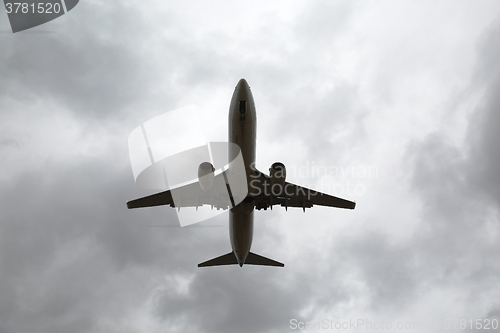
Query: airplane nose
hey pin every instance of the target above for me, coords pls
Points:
(242, 88)
(242, 106)
(242, 82)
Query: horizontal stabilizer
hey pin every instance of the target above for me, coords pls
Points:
(255, 259)
(226, 259)
(230, 259)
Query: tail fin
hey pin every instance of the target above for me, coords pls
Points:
(226, 259)
(255, 259)
(230, 259)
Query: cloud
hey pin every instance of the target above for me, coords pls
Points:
(333, 82)
(459, 237)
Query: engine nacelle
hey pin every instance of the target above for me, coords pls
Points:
(277, 172)
(206, 175)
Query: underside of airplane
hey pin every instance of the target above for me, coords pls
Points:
(260, 191)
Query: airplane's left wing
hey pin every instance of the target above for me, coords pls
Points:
(190, 195)
(158, 199)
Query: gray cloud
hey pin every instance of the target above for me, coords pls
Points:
(74, 259)
(459, 191)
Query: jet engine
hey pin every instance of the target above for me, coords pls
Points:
(277, 172)
(206, 175)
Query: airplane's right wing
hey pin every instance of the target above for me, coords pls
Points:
(298, 196)
(291, 195)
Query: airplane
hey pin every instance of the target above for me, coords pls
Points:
(264, 191)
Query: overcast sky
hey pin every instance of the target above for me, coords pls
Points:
(398, 100)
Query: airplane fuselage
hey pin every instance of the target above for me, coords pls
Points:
(242, 132)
